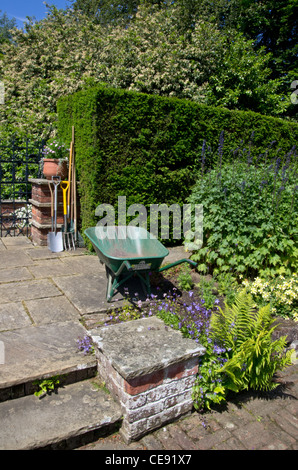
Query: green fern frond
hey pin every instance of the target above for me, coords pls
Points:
(254, 357)
(235, 323)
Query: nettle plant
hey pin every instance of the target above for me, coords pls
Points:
(250, 216)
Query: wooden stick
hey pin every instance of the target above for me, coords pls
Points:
(75, 200)
(71, 169)
(69, 180)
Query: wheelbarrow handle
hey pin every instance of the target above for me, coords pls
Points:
(168, 266)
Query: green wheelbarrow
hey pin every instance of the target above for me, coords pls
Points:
(127, 251)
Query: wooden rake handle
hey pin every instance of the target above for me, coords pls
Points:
(52, 205)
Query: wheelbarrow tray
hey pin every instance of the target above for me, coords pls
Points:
(128, 251)
(141, 251)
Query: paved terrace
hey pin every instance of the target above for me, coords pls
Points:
(49, 300)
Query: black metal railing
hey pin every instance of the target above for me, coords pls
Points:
(19, 161)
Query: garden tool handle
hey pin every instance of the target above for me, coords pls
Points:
(64, 186)
(56, 181)
(51, 191)
(52, 205)
(69, 177)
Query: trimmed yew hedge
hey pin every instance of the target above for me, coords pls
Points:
(148, 148)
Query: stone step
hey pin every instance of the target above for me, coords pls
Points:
(37, 352)
(76, 414)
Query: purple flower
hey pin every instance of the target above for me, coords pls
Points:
(85, 345)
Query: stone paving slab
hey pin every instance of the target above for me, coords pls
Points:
(51, 268)
(51, 310)
(15, 243)
(176, 253)
(31, 423)
(27, 290)
(50, 349)
(16, 258)
(15, 274)
(37, 253)
(83, 264)
(86, 291)
(42, 253)
(13, 316)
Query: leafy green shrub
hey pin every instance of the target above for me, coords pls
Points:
(184, 278)
(250, 218)
(227, 286)
(253, 358)
(206, 290)
(281, 292)
(208, 389)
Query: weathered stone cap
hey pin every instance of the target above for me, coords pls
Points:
(140, 347)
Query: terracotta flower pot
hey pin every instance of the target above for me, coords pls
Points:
(54, 167)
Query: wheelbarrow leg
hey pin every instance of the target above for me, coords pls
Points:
(145, 282)
(109, 288)
(109, 291)
(113, 282)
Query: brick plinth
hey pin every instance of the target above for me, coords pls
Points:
(153, 386)
(41, 211)
(150, 401)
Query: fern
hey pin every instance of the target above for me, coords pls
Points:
(233, 325)
(253, 357)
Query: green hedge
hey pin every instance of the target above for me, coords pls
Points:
(148, 148)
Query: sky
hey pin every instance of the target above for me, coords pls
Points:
(19, 9)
